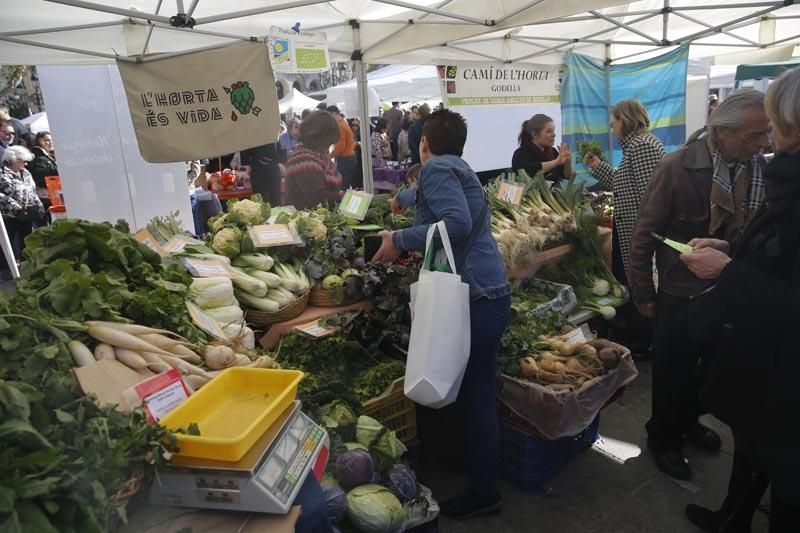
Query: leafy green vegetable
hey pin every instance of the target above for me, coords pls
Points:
(520, 337)
(587, 148)
(375, 380)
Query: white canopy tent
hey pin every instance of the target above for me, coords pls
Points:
(36, 122)
(396, 31)
(395, 82)
(296, 101)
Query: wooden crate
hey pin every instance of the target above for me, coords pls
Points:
(395, 411)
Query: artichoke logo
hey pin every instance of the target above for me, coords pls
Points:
(242, 99)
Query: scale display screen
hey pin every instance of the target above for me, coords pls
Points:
(289, 457)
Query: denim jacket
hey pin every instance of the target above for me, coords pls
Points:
(449, 190)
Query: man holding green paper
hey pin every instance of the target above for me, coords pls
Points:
(709, 188)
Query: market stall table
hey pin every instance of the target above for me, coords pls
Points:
(239, 193)
(389, 179)
(552, 255)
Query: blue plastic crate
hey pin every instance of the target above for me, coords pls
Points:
(529, 461)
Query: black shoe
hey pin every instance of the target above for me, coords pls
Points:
(705, 518)
(670, 462)
(468, 505)
(704, 437)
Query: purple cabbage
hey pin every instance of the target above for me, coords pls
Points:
(402, 481)
(354, 468)
(335, 501)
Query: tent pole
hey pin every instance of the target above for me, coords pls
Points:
(607, 68)
(363, 107)
(5, 243)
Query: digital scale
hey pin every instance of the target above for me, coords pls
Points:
(265, 480)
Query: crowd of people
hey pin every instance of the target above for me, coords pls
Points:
(27, 159)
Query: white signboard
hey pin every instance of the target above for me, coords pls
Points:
(103, 175)
(495, 99)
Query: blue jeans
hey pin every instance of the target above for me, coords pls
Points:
(477, 398)
(314, 518)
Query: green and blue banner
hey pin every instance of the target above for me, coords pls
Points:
(658, 83)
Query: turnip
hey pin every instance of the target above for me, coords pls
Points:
(80, 353)
(264, 361)
(104, 351)
(218, 356)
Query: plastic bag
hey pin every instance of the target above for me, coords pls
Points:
(557, 414)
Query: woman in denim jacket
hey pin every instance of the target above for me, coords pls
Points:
(449, 190)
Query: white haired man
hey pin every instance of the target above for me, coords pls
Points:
(711, 187)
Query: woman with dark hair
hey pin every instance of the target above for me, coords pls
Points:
(311, 176)
(537, 152)
(44, 161)
(381, 148)
(449, 190)
(415, 131)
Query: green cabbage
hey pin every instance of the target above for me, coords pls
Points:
(337, 415)
(384, 447)
(373, 508)
(215, 291)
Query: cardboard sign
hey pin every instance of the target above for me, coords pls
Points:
(355, 204)
(205, 268)
(145, 237)
(162, 393)
(267, 235)
(510, 192)
(314, 330)
(108, 380)
(205, 322)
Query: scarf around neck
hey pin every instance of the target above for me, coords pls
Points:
(737, 191)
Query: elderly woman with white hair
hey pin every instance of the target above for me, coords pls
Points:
(752, 384)
(19, 203)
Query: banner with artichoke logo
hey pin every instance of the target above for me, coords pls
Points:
(202, 104)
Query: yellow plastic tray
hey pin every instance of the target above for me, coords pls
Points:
(232, 411)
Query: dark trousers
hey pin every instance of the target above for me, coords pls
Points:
(637, 330)
(676, 376)
(346, 167)
(266, 181)
(313, 518)
(477, 398)
(17, 231)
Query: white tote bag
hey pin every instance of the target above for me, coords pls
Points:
(438, 351)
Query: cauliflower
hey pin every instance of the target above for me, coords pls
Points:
(248, 212)
(226, 241)
(311, 227)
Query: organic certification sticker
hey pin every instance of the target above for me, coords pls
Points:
(146, 238)
(272, 235)
(355, 204)
(510, 192)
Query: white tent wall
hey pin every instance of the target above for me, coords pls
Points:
(103, 175)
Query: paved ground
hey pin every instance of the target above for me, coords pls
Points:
(598, 493)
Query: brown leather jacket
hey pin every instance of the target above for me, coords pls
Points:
(676, 205)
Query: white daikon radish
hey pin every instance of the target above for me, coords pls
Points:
(80, 353)
(104, 351)
(130, 358)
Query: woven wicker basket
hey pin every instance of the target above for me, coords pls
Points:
(263, 319)
(326, 298)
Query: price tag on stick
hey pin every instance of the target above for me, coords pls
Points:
(355, 204)
(266, 235)
(313, 329)
(510, 192)
(205, 268)
(145, 237)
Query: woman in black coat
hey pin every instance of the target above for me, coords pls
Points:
(752, 385)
